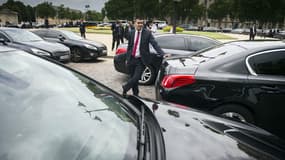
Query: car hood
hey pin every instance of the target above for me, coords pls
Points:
(190, 134)
(47, 46)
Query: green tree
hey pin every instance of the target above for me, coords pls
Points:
(94, 16)
(30, 11)
(45, 10)
(123, 9)
(219, 10)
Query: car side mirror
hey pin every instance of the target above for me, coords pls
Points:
(61, 38)
(3, 41)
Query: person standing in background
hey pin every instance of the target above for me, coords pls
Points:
(121, 32)
(252, 32)
(82, 29)
(115, 35)
(128, 29)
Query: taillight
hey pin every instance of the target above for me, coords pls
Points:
(173, 81)
(121, 50)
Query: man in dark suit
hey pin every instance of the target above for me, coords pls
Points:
(252, 32)
(138, 55)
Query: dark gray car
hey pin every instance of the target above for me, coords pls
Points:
(30, 42)
(174, 44)
(81, 49)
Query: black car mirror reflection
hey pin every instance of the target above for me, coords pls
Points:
(3, 41)
(61, 38)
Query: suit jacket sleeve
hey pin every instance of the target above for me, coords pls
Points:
(155, 45)
(130, 46)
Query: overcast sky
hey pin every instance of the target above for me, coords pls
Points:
(74, 4)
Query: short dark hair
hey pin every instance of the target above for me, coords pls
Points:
(139, 18)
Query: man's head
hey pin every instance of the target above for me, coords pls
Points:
(139, 24)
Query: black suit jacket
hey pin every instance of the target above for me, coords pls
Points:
(146, 39)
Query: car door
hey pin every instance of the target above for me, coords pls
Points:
(53, 36)
(266, 89)
(172, 44)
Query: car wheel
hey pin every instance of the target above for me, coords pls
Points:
(75, 55)
(147, 76)
(236, 112)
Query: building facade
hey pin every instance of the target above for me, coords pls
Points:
(8, 17)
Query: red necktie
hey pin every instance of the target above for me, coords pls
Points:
(136, 44)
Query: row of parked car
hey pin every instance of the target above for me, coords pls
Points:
(49, 111)
(60, 45)
(242, 80)
(273, 33)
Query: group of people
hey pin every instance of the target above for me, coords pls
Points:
(121, 32)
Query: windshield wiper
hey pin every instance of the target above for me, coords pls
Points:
(141, 136)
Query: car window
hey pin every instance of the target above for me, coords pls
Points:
(4, 37)
(171, 42)
(69, 117)
(272, 63)
(52, 34)
(41, 33)
(20, 35)
(71, 35)
(198, 43)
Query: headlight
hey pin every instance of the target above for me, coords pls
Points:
(40, 52)
(90, 47)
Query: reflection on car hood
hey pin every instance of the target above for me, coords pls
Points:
(191, 134)
(97, 44)
(47, 46)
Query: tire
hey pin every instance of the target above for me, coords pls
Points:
(235, 112)
(75, 55)
(148, 76)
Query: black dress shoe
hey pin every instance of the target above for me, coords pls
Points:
(124, 94)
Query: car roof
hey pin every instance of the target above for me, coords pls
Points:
(258, 45)
(184, 35)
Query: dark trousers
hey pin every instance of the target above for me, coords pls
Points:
(115, 40)
(83, 35)
(251, 37)
(135, 68)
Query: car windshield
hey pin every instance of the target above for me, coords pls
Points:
(20, 35)
(49, 112)
(71, 35)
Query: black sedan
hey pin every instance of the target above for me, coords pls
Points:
(80, 48)
(29, 42)
(174, 44)
(71, 116)
(242, 80)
